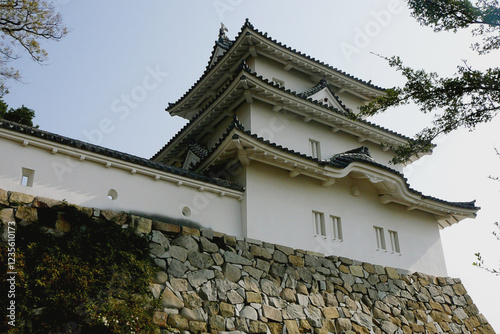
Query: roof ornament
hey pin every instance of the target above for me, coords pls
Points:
(222, 34)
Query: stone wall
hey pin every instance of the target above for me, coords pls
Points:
(213, 282)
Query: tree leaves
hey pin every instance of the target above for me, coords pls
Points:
(24, 23)
(468, 98)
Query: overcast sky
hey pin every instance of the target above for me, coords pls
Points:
(109, 81)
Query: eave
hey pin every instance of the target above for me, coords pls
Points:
(81, 152)
(238, 145)
(251, 42)
(247, 87)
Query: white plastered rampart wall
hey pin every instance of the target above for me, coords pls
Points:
(279, 210)
(87, 183)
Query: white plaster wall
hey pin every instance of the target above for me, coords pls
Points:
(279, 210)
(350, 101)
(294, 80)
(292, 132)
(87, 184)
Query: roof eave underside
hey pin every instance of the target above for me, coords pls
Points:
(246, 85)
(250, 41)
(393, 187)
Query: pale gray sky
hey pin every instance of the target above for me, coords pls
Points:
(109, 81)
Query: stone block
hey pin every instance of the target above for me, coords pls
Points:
(253, 297)
(271, 313)
(231, 272)
(141, 224)
(236, 259)
(187, 242)
(4, 197)
(192, 300)
(191, 315)
(216, 323)
(260, 252)
(170, 300)
(248, 312)
(226, 310)
(296, 261)
(459, 289)
(62, 224)
(27, 214)
(200, 260)
(292, 327)
(197, 327)
(208, 246)
(275, 328)
(185, 230)
(257, 327)
(7, 215)
(43, 202)
(160, 319)
(392, 273)
(357, 271)
(165, 227)
(17, 198)
(330, 312)
(177, 321)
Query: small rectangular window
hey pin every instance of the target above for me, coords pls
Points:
(279, 82)
(315, 149)
(336, 228)
(394, 241)
(319, 223)
(27, 177)
(379, 234)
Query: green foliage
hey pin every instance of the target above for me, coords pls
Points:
(21, 115)
(465, 100)
(93, 279)
(452, 15)
(25, 23)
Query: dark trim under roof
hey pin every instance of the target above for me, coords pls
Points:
(340, 161)
(34, 132)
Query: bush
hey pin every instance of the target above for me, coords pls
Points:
(93, 279)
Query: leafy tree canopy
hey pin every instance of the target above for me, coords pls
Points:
(23, 115)
(465, 100)
(24, 24)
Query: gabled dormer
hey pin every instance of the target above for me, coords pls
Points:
(323, 94)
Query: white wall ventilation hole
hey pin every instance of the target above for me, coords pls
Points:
(112, 194)
(186, 211)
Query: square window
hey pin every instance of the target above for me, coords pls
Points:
(394, 241)
(336, 228)
(27, 177)
(379, 234)
(315, 149)
(319, 224)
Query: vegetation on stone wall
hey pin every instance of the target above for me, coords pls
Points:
(93, 278)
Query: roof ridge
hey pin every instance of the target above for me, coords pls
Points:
(67, 141)
(250, 26)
